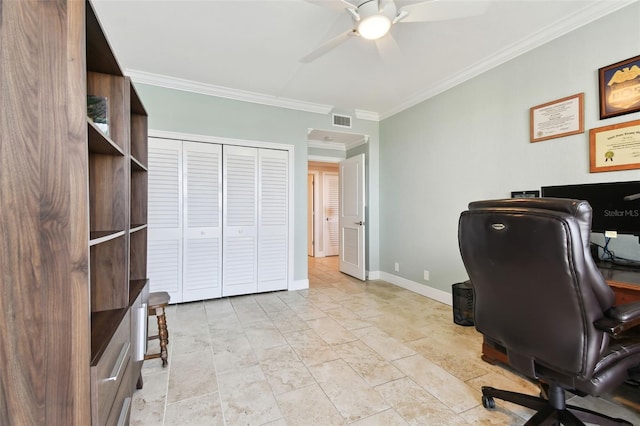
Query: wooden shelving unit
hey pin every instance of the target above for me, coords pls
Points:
(74, 222)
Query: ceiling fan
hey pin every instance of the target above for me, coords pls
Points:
(372, 19)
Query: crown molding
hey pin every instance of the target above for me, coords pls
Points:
(225, 92)
(551, 32)
(362, 141)
(324, 159)
(336, 146)
(545, 35)
(367, 115)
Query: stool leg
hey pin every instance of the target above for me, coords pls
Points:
(163, 334)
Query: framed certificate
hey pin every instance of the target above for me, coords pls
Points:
(556, 119)
(615, 147)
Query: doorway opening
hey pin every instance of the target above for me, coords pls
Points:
(323, 201)
(336, 193)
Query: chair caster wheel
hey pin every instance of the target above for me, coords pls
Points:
(488, 402)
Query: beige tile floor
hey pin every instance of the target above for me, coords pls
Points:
(341, 352)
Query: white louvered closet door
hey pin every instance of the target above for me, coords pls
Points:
(331, 201)
(240, 220)
(273, 211)
(164, 254)
(202, 180)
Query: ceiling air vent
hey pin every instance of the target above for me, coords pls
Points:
(341, 121)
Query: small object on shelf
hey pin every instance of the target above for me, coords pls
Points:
(98, 112)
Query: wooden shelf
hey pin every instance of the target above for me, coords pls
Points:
(99, 143)
(86, 189)
(98, 237)
(108, 274)
(136, 228)
(135, 287)
(100, 57)
(115, 89)
(108, 197)
(138, 197)
(103, 326)
(139, 126)
(138, 254)
(137, 166)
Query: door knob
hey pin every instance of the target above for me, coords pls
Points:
(360, 223)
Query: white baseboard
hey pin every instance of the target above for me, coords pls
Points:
(373, 275)
(430, 292)
(299, 285)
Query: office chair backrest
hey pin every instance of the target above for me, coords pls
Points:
(537, 288)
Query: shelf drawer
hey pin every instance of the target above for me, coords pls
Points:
(121, 409)
(110, 371)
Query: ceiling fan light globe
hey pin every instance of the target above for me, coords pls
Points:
(373, 27)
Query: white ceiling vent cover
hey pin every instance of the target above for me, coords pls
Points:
(342, 121)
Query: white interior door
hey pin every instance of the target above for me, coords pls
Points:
(164, 255)
(273, 223)
(310, 215)
(331, 201)
(202, 180)
(352, 226)
(240, 211)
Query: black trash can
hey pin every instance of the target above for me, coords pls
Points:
(462, 303)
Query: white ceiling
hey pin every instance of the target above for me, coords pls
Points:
(250, 50)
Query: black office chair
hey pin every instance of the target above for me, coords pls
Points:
(539, 295)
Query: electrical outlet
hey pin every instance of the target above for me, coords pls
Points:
(396, 267)
(426, 275)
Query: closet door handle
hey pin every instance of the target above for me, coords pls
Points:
(122, 419)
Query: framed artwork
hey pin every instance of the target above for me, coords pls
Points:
(556, 119)
(615, 147)
(619, 88)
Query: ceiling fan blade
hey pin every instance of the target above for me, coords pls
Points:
(335, 5)
(349, 4)
(327, 46)
(442, 10)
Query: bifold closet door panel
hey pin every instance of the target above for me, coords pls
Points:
(202, 182)
(240, 211)
(164, 257)
(273, 224)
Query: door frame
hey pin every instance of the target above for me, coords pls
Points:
(179, 136)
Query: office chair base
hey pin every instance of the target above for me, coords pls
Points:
(550, 411)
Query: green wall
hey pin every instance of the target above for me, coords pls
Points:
(472, 142)
(199, 114)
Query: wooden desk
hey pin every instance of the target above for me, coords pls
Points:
(625, 284)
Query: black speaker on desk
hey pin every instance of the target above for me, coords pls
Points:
(462, 303)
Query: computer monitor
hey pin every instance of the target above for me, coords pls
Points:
(616, 205)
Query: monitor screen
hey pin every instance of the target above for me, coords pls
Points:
(616, 206)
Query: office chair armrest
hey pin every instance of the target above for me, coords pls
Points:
(620, 318)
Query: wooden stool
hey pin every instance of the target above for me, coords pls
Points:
(157, 302)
